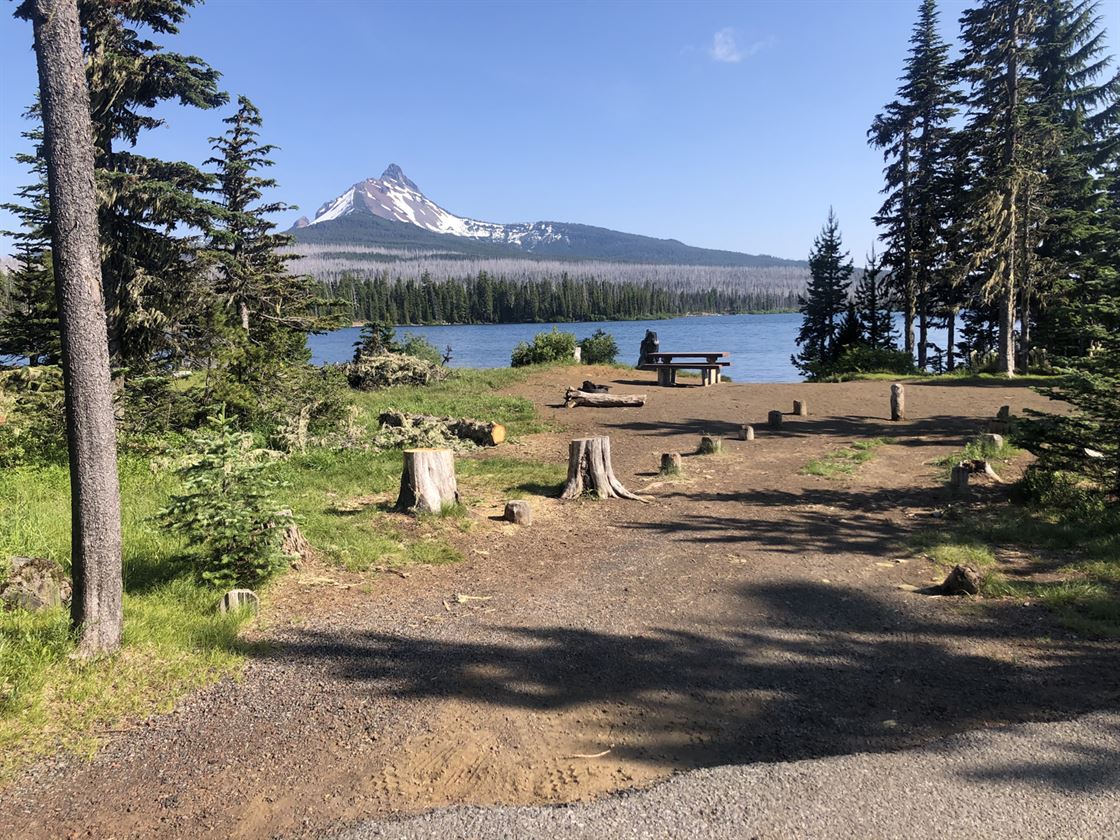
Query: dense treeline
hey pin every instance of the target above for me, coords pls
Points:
(1000, 181)
(484, 299)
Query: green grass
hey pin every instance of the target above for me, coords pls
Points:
(846, 460)
(174, 638)
(1073, 544)
(980, 450)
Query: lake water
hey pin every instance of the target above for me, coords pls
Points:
(760, 345)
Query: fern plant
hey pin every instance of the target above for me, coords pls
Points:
(227, 508)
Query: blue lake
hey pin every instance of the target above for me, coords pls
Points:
(760, 345)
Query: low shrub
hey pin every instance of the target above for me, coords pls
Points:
(226, 508)
(599, 349)
(371, 373)
(546, 347)
(859, 360)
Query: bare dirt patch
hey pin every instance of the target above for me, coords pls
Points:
(747, 613)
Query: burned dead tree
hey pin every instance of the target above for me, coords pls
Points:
(590, 471)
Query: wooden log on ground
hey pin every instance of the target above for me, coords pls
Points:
(478, 431)
(428, 481)
(801, 408)
(518, 512)
(746, 433)
(589, 387)
(590, 471)
(710, 445)
(670, 463)
(958, 479)
(774, 419)
(898, 402)
(574, 396)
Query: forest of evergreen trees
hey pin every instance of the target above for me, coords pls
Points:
(484, 299)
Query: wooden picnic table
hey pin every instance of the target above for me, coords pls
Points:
(668, 362)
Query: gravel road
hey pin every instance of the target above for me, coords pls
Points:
(1044, 780)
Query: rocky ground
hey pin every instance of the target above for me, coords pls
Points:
(748, 613)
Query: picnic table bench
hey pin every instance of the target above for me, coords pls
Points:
(668, 362)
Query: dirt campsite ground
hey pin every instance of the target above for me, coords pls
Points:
(747, 613)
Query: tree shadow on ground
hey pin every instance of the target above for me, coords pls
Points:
(803, 670)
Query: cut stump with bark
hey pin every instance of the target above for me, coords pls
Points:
(710, 445)
(746, 433)
(962, 580)
(428, 481)
(801, 408)
(518, 512)
(774, 419)
(574, 396)
(958, 479)
(898, 403)
(590, 471)
(240, 599)
(670, 463)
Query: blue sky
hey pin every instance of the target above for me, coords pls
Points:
(724, 125)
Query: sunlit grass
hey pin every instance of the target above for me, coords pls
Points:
(846, 460)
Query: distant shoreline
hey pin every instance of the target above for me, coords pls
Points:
(354, 324)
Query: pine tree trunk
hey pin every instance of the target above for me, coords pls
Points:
(923, 331)
(950, 340)
(91, 437)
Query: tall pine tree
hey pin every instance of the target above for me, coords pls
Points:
(825, 300)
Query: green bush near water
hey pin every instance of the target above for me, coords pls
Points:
(546, 348)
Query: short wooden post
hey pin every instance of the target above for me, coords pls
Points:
(898, 402)
(710, 445)
(1004, 413)
(801, 408)
(518, 512)
(746, 433)
(774, 419)
(428, 481)
(240, 599)
(958, 480)
(670, 463)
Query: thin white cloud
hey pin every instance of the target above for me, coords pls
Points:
(725, 48)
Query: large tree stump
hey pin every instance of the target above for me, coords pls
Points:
(518, 512)
(670, 463)
(428, 481)
(801, 408)
(774, 419)
(898, 402)
(590, 471)
(746, 433)
(710, 445)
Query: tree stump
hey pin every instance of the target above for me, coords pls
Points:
(958, 480)
(801, 408)
(518, 512)
(670, 463)
(746, 433)
(774, 419)
(963, 580)
(428, 481)
(990, 441)
(898, 402)
(1004, 413)
(590, 470)
(238, 599)
(710, 445)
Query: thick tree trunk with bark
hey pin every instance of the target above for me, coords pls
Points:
(428, 481)
(574, 396)
(91, 435)
(590, 471)
(478, 431)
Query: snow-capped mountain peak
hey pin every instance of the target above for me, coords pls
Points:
(395, 197)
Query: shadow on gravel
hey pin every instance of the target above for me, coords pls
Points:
(1087, 769)
(807, 670)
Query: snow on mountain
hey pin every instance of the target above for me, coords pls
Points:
(393, 196)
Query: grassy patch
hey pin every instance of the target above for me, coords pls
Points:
(846, 460)
(979, 449)
(174, 639)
